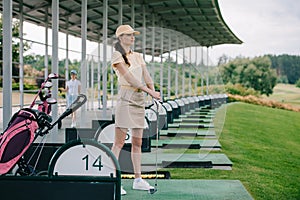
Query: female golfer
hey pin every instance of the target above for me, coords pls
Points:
(130, 108)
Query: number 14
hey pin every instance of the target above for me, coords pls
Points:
(96, 163)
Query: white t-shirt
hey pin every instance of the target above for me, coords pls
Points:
(73, 86)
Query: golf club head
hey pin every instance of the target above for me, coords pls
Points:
(50, 76)
(48, 84)
(51, 101)
(53, 76)
(38, 102)
(152, 190)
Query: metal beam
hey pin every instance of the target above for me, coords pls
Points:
(161, 62)
(207, 77)
(46, 62)
(67, 55)
(21, 64)
(99, 74)
(83, 74)
(104, 68)
(7, 61)
(54, 64)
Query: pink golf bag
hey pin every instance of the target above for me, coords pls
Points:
(26, 125)
(17, 138)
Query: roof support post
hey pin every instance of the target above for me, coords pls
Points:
(202, 77)
(112, 83)
(55, 24)
(120, 12)
(120, 22)
(190, 72)
(21, 63)
(67, 52)
(132, 16)
(7, 61)
(92, 83)
(83, 67)
(104, 68)
(207, 78)
(183, 71)
(152, 71)
(99, 72)
(176, 71)
(144, 32)
(132, 13)
(169, 67)
(46, 61)
(197, 72)
(88, 83)
(161, 62)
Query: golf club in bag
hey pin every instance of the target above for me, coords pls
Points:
(46, 84)
(22, 130)
(46, 100)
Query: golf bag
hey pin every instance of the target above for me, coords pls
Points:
(24, 127)
(17, 137)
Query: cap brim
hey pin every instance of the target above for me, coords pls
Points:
(130, 32)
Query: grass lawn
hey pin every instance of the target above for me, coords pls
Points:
(264, 145)
(286, 93)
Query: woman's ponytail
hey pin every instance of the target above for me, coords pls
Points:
(119, 48)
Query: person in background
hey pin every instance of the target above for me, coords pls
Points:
(132, 73)
(73, 90)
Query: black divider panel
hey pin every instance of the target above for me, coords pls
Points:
(181, 106)
(191, 103)
(175, 109)
(162, 116)
(187, 105)
(79, 133)
(207, 100)
(170, 116)
(203, 164)
(201, 101)
(47, 151)
(49, 189)
(196, 99)
(100, 123)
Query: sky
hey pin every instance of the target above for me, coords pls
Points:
(264, 26)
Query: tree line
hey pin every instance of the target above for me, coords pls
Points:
(287, 67)
(260, 73)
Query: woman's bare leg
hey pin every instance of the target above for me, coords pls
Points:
(120, 135)
(136, 141)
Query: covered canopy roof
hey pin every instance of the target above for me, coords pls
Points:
(196, 22)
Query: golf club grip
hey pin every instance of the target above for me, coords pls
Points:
(157, 102)
(81, 99)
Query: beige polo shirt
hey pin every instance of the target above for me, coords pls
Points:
(137, 68)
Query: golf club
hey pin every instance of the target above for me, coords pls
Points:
(153, 190)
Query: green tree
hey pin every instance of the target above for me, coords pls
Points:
(287, 67)
(253, 73)
(298, 83)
